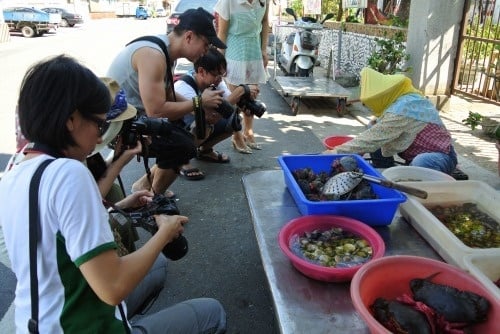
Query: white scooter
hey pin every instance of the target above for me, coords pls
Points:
(299, 52)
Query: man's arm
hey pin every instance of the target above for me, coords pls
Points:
(151, 67)
(264, 35)
(223, 26)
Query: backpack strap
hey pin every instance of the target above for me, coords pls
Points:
(190, 81)
(158, 41)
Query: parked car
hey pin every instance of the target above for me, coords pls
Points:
(68, 19)
(141, 13)
(180, 6)
(161, 12)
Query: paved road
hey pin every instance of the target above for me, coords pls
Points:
(223, 260)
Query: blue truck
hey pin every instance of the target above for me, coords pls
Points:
(141, 13)
(30, 22)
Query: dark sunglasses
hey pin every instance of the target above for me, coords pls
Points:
(102, 124)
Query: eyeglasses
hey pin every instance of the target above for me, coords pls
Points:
(102, 124)
(217, 75)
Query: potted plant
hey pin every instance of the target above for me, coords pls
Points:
(390, 55)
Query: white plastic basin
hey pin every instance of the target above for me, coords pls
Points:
(415, 174)
(449, 247)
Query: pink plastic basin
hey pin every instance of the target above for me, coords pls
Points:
(303, 224)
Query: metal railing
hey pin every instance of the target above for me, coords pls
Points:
(477, 71)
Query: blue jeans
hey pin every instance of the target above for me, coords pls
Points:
(445, 163)
(442, 162)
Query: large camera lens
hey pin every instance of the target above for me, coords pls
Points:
(256, 107)
(176, 249)
(133, 129)
(152, 126)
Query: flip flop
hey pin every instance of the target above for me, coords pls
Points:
(207, 156)
(192, 174)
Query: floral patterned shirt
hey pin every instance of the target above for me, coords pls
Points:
(396, 134)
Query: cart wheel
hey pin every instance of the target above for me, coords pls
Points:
(341, 106)
(295, 105)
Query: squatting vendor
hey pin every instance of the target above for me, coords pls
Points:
(406, 124)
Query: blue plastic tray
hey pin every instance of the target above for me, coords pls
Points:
(373, 212)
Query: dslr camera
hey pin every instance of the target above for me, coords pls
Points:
(177, 248)
(254, 107)
(135, 128)
(226, 110)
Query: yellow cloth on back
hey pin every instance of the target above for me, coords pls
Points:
(379, 91)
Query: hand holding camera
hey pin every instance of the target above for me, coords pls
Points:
(250, 105)
(172, 226)
(212, 98)
(124, 154)
(224, 109)
(162, 212)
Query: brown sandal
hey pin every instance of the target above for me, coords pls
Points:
(206, 155)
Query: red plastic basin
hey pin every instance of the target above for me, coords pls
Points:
(332, 141)
(389, 278)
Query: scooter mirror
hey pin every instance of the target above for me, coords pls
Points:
(290, 11)
(327, 17)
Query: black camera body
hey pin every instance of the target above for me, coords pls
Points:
(135, 128)
(177, 248)
(254, 107)
(230, 113)
(226, 110)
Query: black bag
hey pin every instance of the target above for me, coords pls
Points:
(124, 232)
(175, 150)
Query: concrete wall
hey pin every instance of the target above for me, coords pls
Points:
(432, 42)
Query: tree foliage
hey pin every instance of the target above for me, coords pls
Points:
(390, 55)
(327, 6)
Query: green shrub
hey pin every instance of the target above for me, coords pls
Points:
(390, 54)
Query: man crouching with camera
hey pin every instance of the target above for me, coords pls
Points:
(210, 126)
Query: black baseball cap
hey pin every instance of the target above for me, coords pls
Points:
(201, 22)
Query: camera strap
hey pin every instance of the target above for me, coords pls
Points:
(34, 235)
(35, 231)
